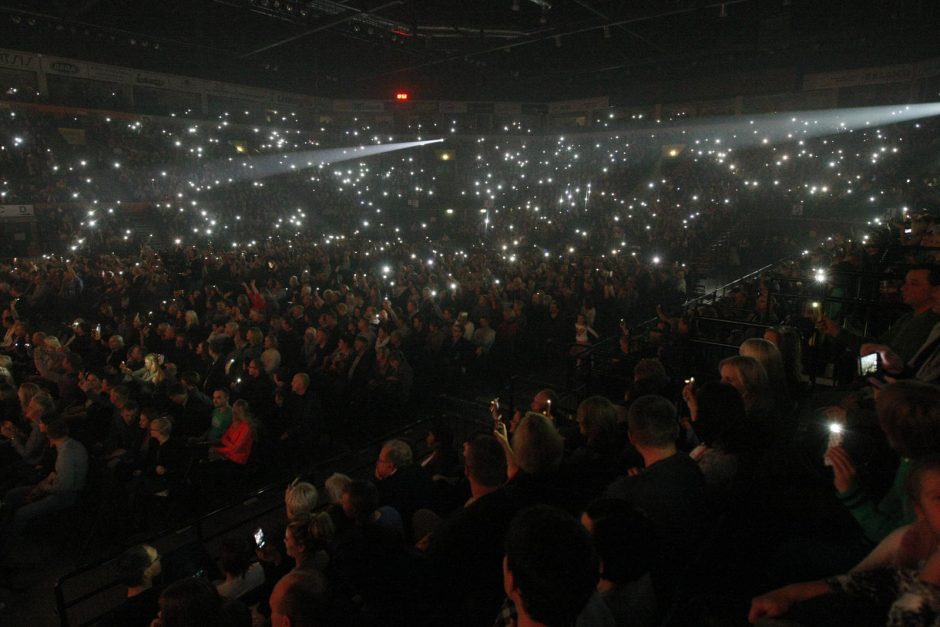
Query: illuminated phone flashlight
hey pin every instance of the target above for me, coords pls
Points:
(836, 435)
(836, 431)
(548, 410)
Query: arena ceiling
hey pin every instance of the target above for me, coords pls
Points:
(474, 49)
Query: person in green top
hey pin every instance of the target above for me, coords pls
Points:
(221, 416)
(909, 415)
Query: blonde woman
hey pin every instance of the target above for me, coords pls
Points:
(6, 369)
(300, 499)
(191, 319)
(25, 393)
(537, 447)
(239, 439)
(151, 374)
(771, 359)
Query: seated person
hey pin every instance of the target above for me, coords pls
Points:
(163, 471)
(910, 331)
(137, 568)
(300, 499)
(221, 416)
(400, 482)
(909, 415)
(191, 417)
(307, 541)
(300, 598)
(191, 601)
(238, 440)
(125, 436)
(902, 595)
(59, 490)
(32, 446)
(241, 574)
(441, 461)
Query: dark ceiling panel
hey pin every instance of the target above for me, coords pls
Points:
(505, 49)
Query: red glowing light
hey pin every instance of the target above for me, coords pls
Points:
(401, 95)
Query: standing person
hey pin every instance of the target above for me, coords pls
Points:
(473, 537)
(670, 488)
(550, 570)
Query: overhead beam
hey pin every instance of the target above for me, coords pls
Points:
(562, 33)
(345, 16)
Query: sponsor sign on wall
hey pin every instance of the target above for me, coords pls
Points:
(64, 67)
(507, 108)
(364, 106)
(584, 104)
(19, 60)
(16, 211)
(863, 76)
(453, 107)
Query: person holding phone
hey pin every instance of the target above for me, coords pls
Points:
(242, 574)
(920, 292)
(909, 415)
(924, 366)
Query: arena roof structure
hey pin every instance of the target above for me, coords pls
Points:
(486, 50)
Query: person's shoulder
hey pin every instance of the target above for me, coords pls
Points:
(621, 488)
(497, 501)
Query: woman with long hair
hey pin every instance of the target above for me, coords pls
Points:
(239, 439)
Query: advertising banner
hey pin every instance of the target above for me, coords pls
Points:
(573, 106)
(863, 76)
(453, 107)
(64, 67)
(364, 106)
(16, 211)
(19, 60)
(507, 108)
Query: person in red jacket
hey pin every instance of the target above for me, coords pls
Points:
(239, 438)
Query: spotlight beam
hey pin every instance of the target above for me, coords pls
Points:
(263, 166)
(744, 130)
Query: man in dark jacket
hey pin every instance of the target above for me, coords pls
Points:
(401, 483)
(473, 537)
